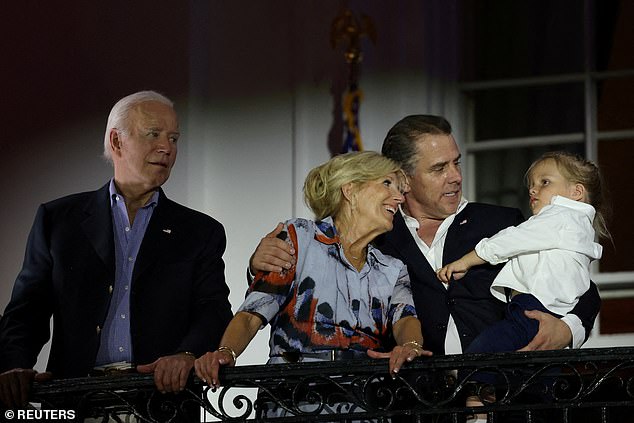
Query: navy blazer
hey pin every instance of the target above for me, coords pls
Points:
(178, 299)
(468, 300)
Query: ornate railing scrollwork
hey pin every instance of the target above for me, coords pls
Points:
(599, 382)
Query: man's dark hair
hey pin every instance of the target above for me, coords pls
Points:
(399, 144)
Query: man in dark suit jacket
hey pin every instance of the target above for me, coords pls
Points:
(469, 302)
(441, 227)
(127, 274)
(437, 226)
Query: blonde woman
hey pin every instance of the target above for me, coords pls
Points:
(342, 299)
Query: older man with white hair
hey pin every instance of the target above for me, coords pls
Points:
(133, 280)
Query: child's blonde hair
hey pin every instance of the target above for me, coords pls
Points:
(578, 170)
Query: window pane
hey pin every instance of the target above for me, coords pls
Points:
(615, 160)
(514, 39)
(615, 101)
(528, 111)
(500, 174)
(510, 39)
(614, 34)
(616, 315)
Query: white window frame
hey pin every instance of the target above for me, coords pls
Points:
(619, 284)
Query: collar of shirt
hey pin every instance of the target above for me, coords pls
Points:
(580, 206)
(327, 234)
(433, 252)
(115, 196)
(413, 223)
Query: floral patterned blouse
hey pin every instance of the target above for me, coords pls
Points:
(323, 302)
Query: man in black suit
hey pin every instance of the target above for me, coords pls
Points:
(129, 276)
(437, 226)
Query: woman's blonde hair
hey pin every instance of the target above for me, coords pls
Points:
(578, 170)
(322, 187)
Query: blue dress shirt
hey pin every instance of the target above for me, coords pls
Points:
(116, 345)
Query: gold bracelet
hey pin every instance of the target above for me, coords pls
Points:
(414, 343)
(416, 346)
(225, 349)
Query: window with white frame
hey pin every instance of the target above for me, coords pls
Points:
(554, 75)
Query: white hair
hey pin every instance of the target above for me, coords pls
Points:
(121, 110)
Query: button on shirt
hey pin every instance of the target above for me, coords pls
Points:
(116, 344)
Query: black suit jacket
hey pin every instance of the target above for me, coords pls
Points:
(178, 300)
(468, 299)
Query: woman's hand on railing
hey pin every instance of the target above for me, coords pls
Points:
(400, 354)
(208, 365)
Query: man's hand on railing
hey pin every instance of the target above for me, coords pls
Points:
(553, 333)
(170, 372)
(15, 386)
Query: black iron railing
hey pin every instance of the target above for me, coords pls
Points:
(590, 385)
